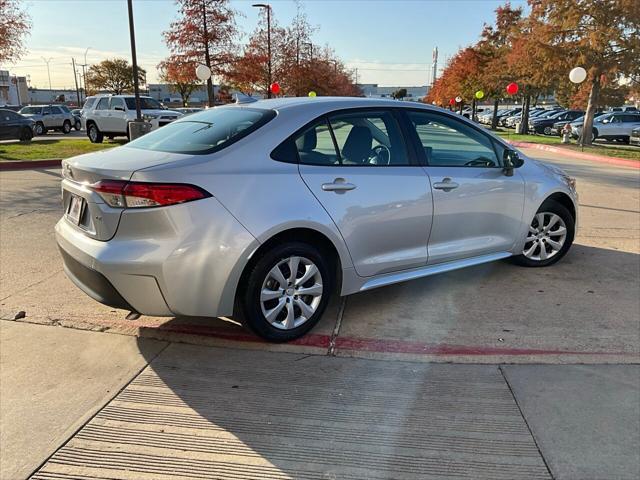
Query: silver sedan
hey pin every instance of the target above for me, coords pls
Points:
(262, 211)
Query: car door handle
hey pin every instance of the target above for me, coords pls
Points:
(339, 185)
(446, 184)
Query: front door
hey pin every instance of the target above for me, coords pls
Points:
(357, 165)
(476, 208)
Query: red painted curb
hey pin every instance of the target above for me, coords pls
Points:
(21, 165)
(584, 156)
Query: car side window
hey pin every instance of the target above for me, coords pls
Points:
(103, 104)
(117, 102)
(56, 110)
(448, 142)
(315, 145)
(369, 139)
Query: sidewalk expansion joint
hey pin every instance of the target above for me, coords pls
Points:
(336, 329)
(524, 419)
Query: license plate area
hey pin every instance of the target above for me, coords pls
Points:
(76, 207)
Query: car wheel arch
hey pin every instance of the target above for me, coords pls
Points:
(564, 200)
(307, 235)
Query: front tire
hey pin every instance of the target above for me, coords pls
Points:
(286, 292)
(95, 135)
(77, 125)
(549, 237)
(66, 127)
(40, 129)
(547, 130)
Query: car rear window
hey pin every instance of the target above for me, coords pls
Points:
(205, 132)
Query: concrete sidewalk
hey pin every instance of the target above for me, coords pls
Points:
(52, 380)
(196, 411)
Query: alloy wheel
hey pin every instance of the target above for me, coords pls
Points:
(93, 133)
(291, 292)
(546, 237)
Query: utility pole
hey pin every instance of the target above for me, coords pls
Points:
(267, 7)
(207, 54)
(356, 77)
(84, 73)
(75, 77)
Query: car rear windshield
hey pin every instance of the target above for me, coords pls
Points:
(205, 132)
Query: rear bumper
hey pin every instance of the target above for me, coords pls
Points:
(93, 283)
(180, 260)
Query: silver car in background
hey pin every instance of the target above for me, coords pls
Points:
(261, 212)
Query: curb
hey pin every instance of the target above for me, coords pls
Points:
(621, 162)
(30, 164)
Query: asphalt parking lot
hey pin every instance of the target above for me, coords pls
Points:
(545, 381)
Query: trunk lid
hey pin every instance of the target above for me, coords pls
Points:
(93, 216)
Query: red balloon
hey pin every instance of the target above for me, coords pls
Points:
(275, 87)
(512, 88)
(452, 101)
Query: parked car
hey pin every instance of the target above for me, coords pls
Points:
(77, 114)
(49, 117)
(625, 108)
(14, 126)
(109, 115)
(634, 138)
(613, 126)
(510, 122)
(547, 125)
(261, 212)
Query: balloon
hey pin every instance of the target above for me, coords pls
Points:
(203, 72)
(275, 87)
(578, 75)
(458, 99)
(512, 88)
(452, 101)
(312, 94)
(479, 94)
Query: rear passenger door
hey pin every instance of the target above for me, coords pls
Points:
(101, 114)
(477, 210)
(358, 166)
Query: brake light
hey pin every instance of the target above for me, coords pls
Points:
(122, 194)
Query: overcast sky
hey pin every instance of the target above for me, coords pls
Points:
(389, 41)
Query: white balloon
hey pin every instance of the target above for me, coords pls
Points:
(458, 99)
(203, 72)
(578, 75)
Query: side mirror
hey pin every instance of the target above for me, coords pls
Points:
(510, 161)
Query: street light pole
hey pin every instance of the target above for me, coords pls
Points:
(47, 60)
(267, 7)
(84, 73)
(132, 35)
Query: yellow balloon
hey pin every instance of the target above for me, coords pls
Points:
(312, 93)
(479, 94)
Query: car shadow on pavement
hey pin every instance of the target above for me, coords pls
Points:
(205, 412)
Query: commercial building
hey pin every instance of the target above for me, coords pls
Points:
(373, 90)
(13, 89)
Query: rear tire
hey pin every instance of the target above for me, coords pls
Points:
(94, 134)
(26, 135)
(294, 305)
(547, 130)
(77, 125)
(547, 239)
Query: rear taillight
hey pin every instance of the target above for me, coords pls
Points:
(122, 194)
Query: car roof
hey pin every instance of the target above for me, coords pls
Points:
(331, 103)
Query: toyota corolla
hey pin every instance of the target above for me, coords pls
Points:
(261, 211)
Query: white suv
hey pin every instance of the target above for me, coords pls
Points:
(109, 115)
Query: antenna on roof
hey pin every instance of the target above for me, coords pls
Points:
(241, 98)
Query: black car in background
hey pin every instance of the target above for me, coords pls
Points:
(14, 126)
(546, 125)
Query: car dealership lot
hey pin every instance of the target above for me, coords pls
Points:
(583, 310)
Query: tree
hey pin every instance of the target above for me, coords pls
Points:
(204, 33)
(297, 64)
(180, 75)
(494, 45)
(15, 25)
(599, 35)
(114, 75)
